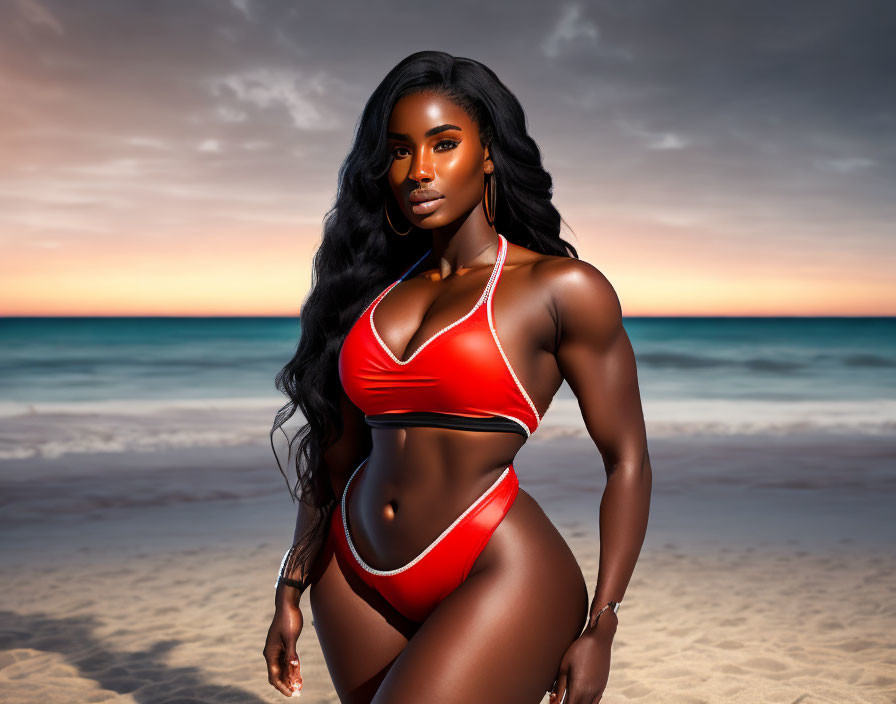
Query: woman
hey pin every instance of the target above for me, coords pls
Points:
(444, 314)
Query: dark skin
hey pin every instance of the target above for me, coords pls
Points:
(514, 628)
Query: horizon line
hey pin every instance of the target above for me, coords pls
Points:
(298, 316)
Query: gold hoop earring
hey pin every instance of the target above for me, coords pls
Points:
(491, 198)
(386, 210)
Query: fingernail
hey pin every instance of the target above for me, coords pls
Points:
(293, 662)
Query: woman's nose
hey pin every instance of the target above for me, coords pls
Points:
(421, 166)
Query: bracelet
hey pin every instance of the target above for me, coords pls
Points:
(286, 580)
(614, 605)
(282, 565)
(291, 583)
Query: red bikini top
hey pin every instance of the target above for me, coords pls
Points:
(459, 378)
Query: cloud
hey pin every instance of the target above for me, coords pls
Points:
(229, 114)
(266, 87)
(242, 6)
(209, 145)
(37, 14)
(569, 27)
(844, 166)
(656, 140)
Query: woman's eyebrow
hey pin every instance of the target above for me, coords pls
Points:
(429, 133)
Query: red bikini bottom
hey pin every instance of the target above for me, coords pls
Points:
(417, 588)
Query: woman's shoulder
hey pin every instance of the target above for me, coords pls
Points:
(566, 275)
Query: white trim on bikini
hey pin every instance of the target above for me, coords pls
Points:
(444, 533)
(515, 420)
(444, 329)
(383, 293)
(491, 326)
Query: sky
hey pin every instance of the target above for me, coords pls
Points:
(710, 157)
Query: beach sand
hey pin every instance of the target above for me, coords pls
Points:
(147, 578)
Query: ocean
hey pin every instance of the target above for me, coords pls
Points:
(63, 379)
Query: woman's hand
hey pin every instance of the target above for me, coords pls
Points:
(284, 671)
(585, 667)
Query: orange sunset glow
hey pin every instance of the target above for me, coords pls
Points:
(166, 174)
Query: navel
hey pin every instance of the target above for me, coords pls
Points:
(389, 510)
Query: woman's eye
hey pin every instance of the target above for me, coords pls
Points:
(449, 144)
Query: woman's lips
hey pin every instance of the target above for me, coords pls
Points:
(426, 206)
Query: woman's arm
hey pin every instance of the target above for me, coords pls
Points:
(340, 459)
(595, 357)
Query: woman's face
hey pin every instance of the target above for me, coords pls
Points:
(434, 143)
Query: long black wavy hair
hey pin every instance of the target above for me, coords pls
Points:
(360, 254)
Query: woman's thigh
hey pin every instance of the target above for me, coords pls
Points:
(360, 633)
(500, 636)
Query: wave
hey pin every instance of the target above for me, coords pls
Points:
(674, 417)
(10, 409)
(51, 430)
(780, 365)
(868, 360)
